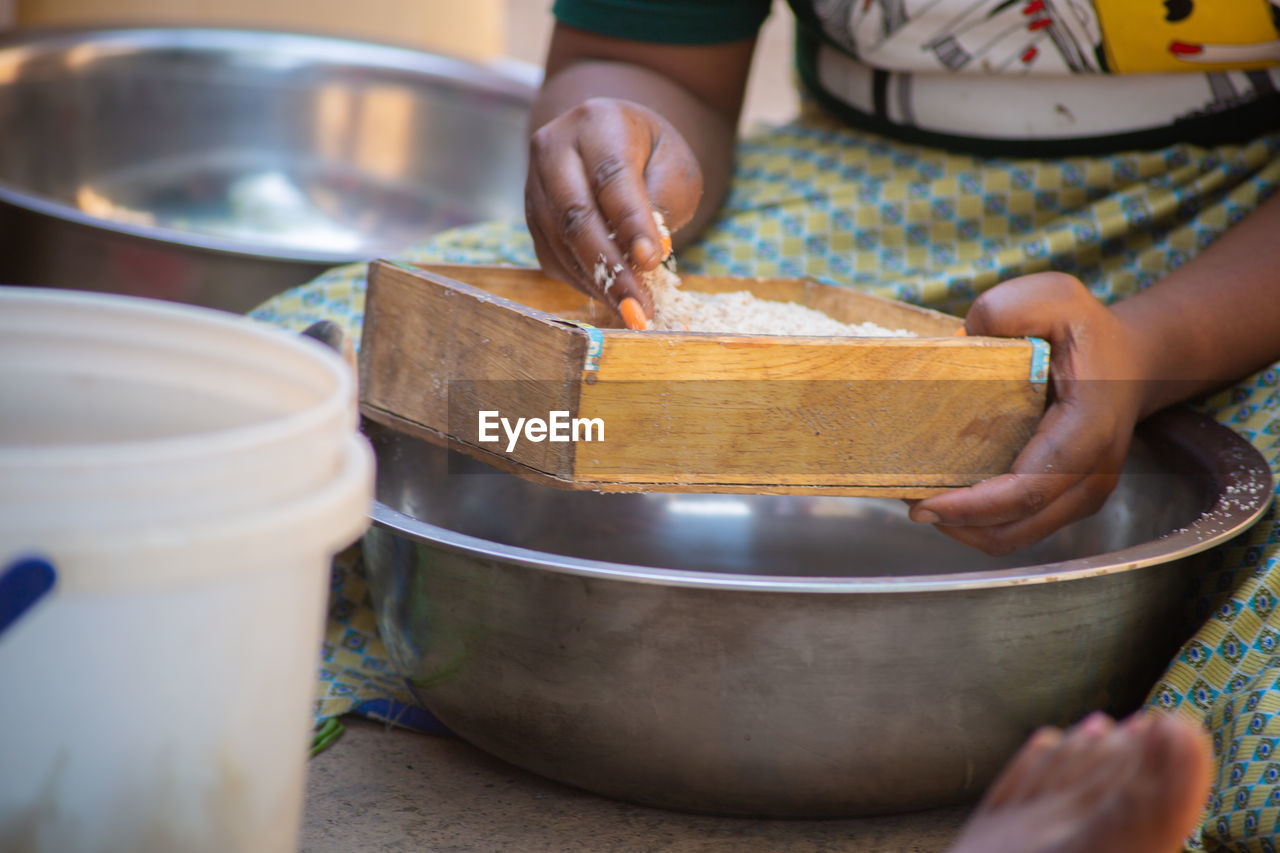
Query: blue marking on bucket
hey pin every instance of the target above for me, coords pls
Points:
(1039, 360)
(22, 583)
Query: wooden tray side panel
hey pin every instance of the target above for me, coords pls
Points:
(863, 433)
(526, 286)
(645, 355)
(436, 352)
(858, 413)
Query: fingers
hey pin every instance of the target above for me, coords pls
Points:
(1069, 446)
(669, 183)
(596, 175)
(616, 183)
(633, 314)
(561, 205)
(998, 540)
(674, 182)
(552, 257)
(1041, 305)
(1073, 461)
(1014, 511)
(1030, 486)
(1065, 473)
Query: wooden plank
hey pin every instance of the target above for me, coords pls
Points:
(650, 355)
(867, 432)
(502, 463)
(896, 411)
(436, 352)
(879, 412)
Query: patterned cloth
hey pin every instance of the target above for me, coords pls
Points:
(934, 228)
(356, 674)
(1000, 76)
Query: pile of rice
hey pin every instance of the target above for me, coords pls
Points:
(742, 313)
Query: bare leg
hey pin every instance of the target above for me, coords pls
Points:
(1099, 787)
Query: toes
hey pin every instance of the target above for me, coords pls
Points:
(1149, 789)
(1177, 760)
(1108, 763)
(1099, 787)
(1042, 761)
(1029, 763)
(1085, 745)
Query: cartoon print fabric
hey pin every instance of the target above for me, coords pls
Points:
(964, 66)
(1057, 36)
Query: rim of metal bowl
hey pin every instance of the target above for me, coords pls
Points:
(1244, 489)
(502, 79)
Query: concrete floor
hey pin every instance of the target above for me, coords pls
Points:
(380, 789)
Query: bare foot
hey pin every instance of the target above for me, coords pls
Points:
(1099, 787)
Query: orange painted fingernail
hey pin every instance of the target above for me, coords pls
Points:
(633, 314)
(664, 234)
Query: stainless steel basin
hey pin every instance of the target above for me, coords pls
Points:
(783, 656)
(222, 166)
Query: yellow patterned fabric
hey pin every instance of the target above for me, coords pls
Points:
(354, 665)
(925, 226)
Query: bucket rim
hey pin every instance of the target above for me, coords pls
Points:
(335, 402)
(150, 556)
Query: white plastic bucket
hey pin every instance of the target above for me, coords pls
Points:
(189, 474)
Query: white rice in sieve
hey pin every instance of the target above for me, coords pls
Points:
(743, 313)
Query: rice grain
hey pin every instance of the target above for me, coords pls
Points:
(743, 313)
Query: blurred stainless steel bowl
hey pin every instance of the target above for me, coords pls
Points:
(783, 656)
(220, 167)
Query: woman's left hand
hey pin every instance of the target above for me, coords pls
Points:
(1072, 462)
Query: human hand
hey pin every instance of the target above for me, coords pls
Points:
(596, 174)
(1072, 462)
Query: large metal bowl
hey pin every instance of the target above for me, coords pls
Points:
(219, 167)
(782, 656)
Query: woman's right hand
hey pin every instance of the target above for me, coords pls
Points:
(596, 175)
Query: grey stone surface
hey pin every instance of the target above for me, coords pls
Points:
(386, 789)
